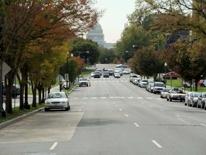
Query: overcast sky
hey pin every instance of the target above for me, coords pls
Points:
(114, 17)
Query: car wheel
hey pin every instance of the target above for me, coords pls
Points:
(46, 109)
(170, 99)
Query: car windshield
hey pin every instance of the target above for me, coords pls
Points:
(57, 95)
(159, 85)
(196, 95)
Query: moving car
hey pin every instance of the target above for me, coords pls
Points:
(84, 82)
(97, 74)
(106, 74)
(176, 94)
(117, 75)
(57, 100)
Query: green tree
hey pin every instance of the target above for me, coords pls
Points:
(107, 55)
(85, 49)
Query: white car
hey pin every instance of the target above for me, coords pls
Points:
(117, 75)
(84, 82)
(57, 100)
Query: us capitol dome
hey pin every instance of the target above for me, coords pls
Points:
(96, 34)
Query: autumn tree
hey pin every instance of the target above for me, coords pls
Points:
(28, 21)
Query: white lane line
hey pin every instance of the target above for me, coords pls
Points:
(157, 144)
(202, 124)
(130, 97)
(139, 98)
(126, 115)
(103, 98)
(93, 98)
(53, 146)
(120, 109)
(136, 124)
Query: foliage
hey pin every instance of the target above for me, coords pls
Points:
(85, 49)
(107, 56)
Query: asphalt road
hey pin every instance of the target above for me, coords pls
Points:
(112, 117)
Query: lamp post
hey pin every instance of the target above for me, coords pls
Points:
(165, 67)
(165, 64)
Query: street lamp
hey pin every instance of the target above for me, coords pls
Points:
(170, 74)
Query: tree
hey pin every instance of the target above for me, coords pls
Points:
(27, 21)
(107, 55)
(85, 49)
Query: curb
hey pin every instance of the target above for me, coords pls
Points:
(14, 120)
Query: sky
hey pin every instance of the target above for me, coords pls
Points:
(114, 17)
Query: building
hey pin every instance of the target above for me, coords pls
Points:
(96, 34)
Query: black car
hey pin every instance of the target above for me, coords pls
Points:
(106, 74)
(97, 74)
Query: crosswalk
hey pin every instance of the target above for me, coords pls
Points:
(115, 97)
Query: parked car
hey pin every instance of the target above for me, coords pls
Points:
(150, 87)
(143, 83)
(84, 82)
(158, 87)
(92, 74)
(132, 76)
(176, 94)
(57, 100)
(191, 98)
(164, 93)
(127, 71)
(201, 101)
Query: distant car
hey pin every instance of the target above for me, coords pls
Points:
(92, 74)
(164, 93)
(150, 86)
(176, 94)
(84, 82)
(111, 72)
(97, 74)
(201, 103)
(143, 83)
(106, 74)
(127, 71)
(57, 100)
(158, 87)
(117, 75)
(191, 98)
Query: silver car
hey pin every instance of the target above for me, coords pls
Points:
(57, 100)
(191, 98)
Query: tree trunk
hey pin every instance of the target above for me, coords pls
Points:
(196, 84)
(8, 85)
(39, 94)
(43, 96)
(21, 98)
(25, 77)
(34, 95)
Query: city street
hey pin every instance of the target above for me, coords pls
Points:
(112, 117)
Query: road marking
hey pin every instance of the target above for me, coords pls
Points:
(157, 144)
(139, 98)
(126, 115)
(202, 124)
(130, 97)
(137, 125)
(53, 146)
(93, 98)
(120, 109)
(103, 98)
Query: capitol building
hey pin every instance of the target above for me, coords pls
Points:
(96, 34)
